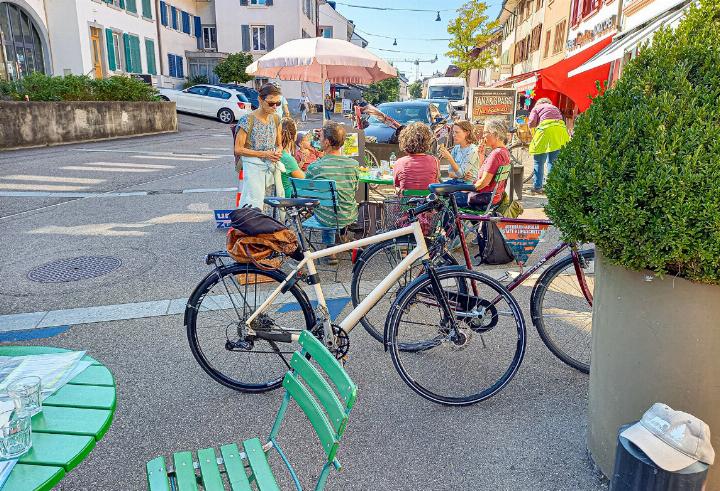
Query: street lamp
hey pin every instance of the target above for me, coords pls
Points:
(438, 19)
(395, 42)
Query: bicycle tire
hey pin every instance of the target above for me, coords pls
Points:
(204, 292)
(361, 267)
(579, 356)
(371, 160)
(433, 364)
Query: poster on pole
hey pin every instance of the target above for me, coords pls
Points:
(492, 103)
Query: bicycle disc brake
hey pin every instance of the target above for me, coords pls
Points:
(487, 320)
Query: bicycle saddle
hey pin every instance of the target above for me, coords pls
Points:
(291, 202)
(442, 189)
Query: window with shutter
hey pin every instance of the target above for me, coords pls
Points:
(128, 58)
(270, 37)
(546, 51)
(179, 67)
(245, 34)
(110, 49)
(135, 54)
(163, 14)
(185, 22)
(173, 17)
(150, 56)
(131, 6)
(198, 27)
(171, 65)
(146, 9)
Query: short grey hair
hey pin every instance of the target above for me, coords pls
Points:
(544, 100)
(497, 127)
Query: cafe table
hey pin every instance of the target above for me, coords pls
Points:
(366, 180)
(71, 422)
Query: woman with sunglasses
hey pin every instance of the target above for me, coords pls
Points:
(258, 143)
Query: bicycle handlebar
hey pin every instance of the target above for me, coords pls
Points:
(431, 202)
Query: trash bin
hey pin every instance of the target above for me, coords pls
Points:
(635, 471)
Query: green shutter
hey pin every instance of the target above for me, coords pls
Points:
(128, 58)
(122, 4)
(150, 55)
(135, 53)
(110, 49)
(131, 6)
(146, 9)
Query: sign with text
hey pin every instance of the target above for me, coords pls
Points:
(490, 103)
(523, 238)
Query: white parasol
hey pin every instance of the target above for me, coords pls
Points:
(322, 60)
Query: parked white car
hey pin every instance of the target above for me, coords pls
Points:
(227, 105)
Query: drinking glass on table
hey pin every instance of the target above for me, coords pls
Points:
(15, 434)
(26, 393)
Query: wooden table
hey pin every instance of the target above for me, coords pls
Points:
(73, 419)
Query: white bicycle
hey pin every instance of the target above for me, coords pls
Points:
(456, 336)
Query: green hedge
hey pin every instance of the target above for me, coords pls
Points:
(641, 176)
(40, 87)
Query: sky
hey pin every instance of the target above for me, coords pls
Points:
(421, 26)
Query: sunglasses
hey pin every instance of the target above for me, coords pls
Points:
(273, 104)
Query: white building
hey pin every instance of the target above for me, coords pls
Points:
(332, 24)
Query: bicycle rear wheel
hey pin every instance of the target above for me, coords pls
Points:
(477, 349)
(215, 323)
(561, 313)
(373, 266)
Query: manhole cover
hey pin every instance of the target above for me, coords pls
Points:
(74, 269)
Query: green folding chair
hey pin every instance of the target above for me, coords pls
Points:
(502, 174)
(308, 386)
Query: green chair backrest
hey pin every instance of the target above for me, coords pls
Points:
(320, 189)
(503, 172)
(311, 388)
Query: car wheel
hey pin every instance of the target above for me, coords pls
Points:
(164, 98)
(225, 115)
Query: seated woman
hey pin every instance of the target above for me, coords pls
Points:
(496, 136)
(416, 170)
(306, 154)
(463, 157)
(288, 132)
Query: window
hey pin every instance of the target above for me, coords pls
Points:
(559, 41)
(146, 9)
(163, 14)
(116, 43)
(209, 37)
(174, 18)
(132, 53)
(535, 38)
(130, 6)
(326, 32)
(185, 22)
(305, 35)
(198, 90)
(309, 9)
(218, 94)
(538, 5)
(259, 82)
(257, 2)
(259, 42)
(548, 35)
(175, 66)
(21, 51)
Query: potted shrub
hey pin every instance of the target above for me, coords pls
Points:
(641, 180)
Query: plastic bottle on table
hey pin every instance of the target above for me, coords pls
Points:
(393, 158)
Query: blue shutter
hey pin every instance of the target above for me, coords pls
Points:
(179, 67)
(268, 3)
(245, 30)
(243, 3)
(270, 37)
(163, 14)
(171, 65)
(173, 17)
(185, 22)
(198, 27)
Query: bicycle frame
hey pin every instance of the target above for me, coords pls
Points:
(353, 318)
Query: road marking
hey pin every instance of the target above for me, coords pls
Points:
(134, 166)
(41, 194)
(164, 157)
(138, 310)
(70, 180)
(148, 152)
(39, 187)
(105, 169)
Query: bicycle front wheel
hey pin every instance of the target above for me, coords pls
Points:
(478, 345)
(215, 322)
(373, 266)
(561, 312)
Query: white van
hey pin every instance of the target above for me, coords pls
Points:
(453, 89)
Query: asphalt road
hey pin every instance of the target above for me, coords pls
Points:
(531, 436)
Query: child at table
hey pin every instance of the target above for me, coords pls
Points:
(306, 154)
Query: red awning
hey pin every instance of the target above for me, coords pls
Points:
(509, 82)
(582, 86)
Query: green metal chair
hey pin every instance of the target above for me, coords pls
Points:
(502, 174)
(327, 410)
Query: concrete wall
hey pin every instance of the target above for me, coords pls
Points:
(27, 124)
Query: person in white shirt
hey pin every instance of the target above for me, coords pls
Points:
(304, 106)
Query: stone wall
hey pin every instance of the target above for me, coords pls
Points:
(32, 124)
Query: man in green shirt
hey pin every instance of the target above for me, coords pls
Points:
(343, 170)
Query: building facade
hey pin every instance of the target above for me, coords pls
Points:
(554, 32)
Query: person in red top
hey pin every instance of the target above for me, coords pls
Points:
(305, 154)
(495, 133)
(416, 170)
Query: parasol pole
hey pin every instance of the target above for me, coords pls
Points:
(324, 75)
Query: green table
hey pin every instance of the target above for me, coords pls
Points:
(367, 181)
(73, 419)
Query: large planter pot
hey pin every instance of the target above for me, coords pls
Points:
(654, 340)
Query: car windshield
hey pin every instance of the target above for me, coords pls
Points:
(452, 92)
(402, 114)
(442, 105)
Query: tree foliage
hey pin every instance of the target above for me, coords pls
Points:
(469, 29)
(384, 91)
(232, 68)
(415, 89)
(641, 176)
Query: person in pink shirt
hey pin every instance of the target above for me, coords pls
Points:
(305, 153)
(417, 169)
